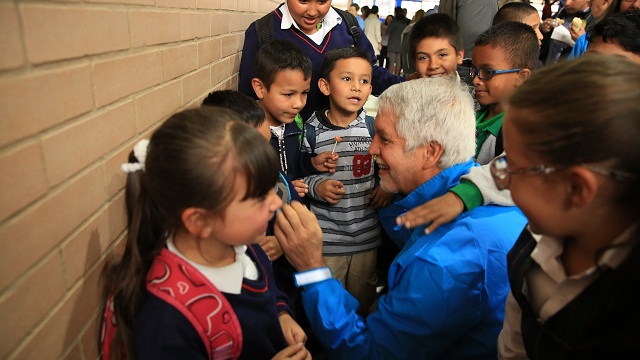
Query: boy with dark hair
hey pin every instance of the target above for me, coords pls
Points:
(282, 81)
(520, 12)
(342, 201)
(252, 114)
(435, 45)
(618, 34)
(503, 58)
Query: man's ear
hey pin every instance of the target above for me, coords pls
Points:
(431, 154)
(523, 75)
(582, 187)
(323, 85)
(258, 87)
(196, 221)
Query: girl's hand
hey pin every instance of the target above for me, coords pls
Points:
(325, 161)
(301, 188)
(293, 352)
(293, 333)
(271, 247)
(331, 190)
(438, 211)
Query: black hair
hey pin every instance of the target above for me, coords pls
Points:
(331, 57)
(517, 40)
(355, 5)
(515, 11)
(248, 108)
(437, 25)
(278, 55)
(374, 10)
(621, 28)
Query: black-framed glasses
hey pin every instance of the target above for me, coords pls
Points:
(501, 172)
(486, 73)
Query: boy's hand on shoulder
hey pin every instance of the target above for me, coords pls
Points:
(301, 188)
(325, 161)
(330, 190)
(380, 198)
(438, 211)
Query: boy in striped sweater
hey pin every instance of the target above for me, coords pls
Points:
(344, 201)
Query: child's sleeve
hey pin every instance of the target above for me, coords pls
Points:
(249, 50)
(478, 188)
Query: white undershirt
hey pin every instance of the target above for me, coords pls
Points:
(331, 20)
(227, 279)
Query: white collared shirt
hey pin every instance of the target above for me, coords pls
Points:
(331, 20)
(229, 278)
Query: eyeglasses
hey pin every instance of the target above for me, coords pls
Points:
(486, 73)
(501, 172)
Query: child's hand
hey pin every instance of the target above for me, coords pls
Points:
(301, 188)
(438, 211)
(331, 190)
(380, 198)
(293, 333)
(293, 352)
(325, 161)
(271, 247)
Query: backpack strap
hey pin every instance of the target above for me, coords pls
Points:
(179, 284)
(352, 24)
(264, 29)
(310, 133)
(369, 120)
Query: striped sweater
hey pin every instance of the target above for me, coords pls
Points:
(350, 226)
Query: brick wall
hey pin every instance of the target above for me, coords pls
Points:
(80, 82)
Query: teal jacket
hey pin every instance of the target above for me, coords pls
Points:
(446, 290)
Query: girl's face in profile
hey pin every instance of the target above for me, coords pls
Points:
(308, 13)
(245, 221)
(539, 196)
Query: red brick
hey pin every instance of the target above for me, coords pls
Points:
(54, 33)
(70, 149)
(36, 102)
(11, 43)
(23, 178)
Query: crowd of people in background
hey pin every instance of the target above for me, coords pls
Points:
(489, 210)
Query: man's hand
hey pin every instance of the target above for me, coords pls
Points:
(301, 188)
(271, 247)
(330, 190)
(325, 161)
(300, 236)
(576, 31)
(438, 211)
(380, 198)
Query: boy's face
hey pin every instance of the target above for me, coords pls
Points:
(286, 97)
(533, 20)
(500, 86)
(436, 57)
(611, 48)
(353, 11)
(348, 86)
(308, 13)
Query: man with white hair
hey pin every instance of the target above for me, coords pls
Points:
(447, 289)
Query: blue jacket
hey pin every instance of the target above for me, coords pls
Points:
(338, 37)
(446, 290)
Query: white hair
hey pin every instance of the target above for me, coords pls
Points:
(436, 110)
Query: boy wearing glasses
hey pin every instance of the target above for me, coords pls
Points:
(502, 60)
(503, 57)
